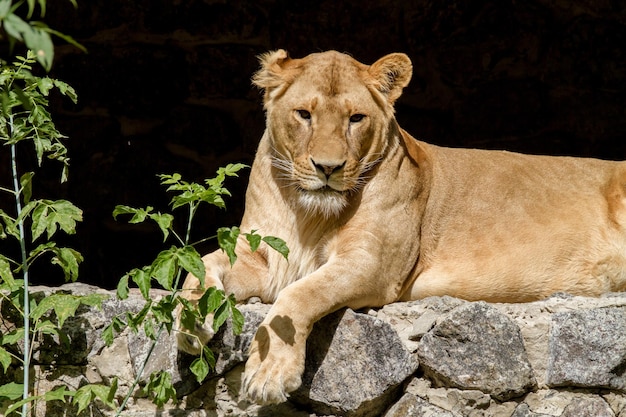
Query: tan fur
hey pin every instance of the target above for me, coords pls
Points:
(372, 216)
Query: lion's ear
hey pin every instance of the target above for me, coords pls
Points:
(391, 74)
(276, 73)
(269, 76)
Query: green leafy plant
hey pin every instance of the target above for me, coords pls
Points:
(24, 119)
(33, 224)
(167, 269)
(18, 26)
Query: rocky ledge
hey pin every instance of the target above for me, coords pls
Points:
(564, 356)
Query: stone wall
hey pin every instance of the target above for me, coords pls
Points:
(565, 356)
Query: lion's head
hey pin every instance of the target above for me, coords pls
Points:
(329, 119)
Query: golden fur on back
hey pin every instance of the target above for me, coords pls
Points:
(372, 216)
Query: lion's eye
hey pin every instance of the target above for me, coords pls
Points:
(304, 114)
(356, 118)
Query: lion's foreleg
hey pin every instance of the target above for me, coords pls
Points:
(277, 353)
(244, 279)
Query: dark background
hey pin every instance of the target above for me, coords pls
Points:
(165, 87)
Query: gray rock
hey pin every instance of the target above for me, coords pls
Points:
(523, 410)
(359, 365)
(588, 349)
(354, 367)
(413, 406)
(588, 406)
(231, 349)
(477, 347)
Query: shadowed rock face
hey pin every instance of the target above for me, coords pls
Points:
(547, 358)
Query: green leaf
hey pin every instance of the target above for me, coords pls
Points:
(49, 328)
(237, 319)
(148, 328)
(165, 223)
(254, 239)
(47, 215)
(163, 311)
(208, 356)
(88, 393)
(142, 278)
(134, 321)
(31, 8)
(108, 335)
(278, 245)
(160, 387)
(66, 90)
(45, 84)
(200, 368)
(58, 394)
(16, 406)
(41, 249)
(111, 394)
(26, 181)
(5, 359)
(139, 215)
(232, 169)
(210, 301)
(191, 261)
(11, 224)
(5, 7)
(13, 336)
(188, 314)
(93, 300)
(220, 316)
(68, 259)
(64, 306)
(163, 269)
(83, 398)
(227, 239)
(109, 331)
(122, 288)
(6, 275)
(12, 391)
(40, 42)
(15, 26)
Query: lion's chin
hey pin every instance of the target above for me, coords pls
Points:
(327, 202)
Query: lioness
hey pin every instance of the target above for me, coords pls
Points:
(372, 216)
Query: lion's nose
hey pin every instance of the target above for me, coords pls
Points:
(328, 167)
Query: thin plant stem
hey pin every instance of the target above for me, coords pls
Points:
(26, 315)
(140, 373)
(192, 211)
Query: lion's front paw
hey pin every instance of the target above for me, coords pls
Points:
(193, 341)
(272, 372)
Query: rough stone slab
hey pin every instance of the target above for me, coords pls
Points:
(231, 349)
(413, 319)
(355, 364)
(588, 406)
(523, 410)
(477, 347)
(220, 395)
(588, 349)
(413, 406)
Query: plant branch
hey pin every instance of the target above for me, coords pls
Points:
(18, 206)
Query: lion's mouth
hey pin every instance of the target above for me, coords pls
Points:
(325, 200)
(323, 189)
(326, 189)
